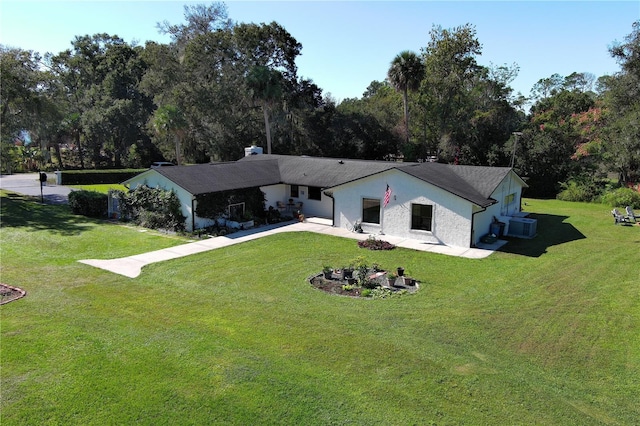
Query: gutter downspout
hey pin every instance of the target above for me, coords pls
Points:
(193, 213)
(333, 207)
(473, 225)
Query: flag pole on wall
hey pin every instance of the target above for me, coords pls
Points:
(386, 200)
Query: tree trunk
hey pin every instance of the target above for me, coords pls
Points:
(267, 128)
(177, 141)
(405, 99)
(56, 147)
(77, 136)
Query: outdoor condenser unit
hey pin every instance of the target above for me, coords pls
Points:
(523, 227)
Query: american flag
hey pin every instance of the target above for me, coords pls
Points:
(387, 196)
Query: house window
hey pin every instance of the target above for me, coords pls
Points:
(421, 216)
(315, 193)
(294, 191)
(509, 199)
(236, 211)
(371, 210)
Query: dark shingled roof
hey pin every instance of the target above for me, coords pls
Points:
(320, 171)
(215, 177)
(473, 183)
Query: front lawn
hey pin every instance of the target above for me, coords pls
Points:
(545, 332)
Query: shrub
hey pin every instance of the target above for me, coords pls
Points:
(94, 177)
(385, 293)
(88, 203)
(622, 197)
(575, 191)
(372, 244)
(369, 284)
(154, 208)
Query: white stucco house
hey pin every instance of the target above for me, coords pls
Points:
(436, 203)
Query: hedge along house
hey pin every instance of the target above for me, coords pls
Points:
(430, 202)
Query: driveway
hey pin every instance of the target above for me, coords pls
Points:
(29, 184)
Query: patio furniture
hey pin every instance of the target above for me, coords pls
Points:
(280, 205)
(631, 215)
(619, 217)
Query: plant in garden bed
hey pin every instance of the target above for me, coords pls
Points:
(327, 271)
(372, 243)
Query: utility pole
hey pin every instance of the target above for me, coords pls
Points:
(515, 143)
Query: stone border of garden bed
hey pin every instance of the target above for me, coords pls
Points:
(9, 293)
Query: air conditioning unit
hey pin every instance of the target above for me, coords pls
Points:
(522, 227)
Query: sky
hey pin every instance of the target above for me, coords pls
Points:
(348, 44)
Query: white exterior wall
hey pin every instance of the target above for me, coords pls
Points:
(451, 223)
(501, 210)
(274, 193)
(482, 221)
(510, 185)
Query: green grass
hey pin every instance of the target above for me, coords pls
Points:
(103, 188)
(545, 332)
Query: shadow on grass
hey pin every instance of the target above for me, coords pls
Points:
(552, 231)
(21, 211)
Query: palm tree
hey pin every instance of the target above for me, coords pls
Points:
(406, 73)
(266, 87)
(168, 120)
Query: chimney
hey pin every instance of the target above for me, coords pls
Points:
(252, 150)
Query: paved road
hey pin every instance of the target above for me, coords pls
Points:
(28, 184)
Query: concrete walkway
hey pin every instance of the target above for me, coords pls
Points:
(131, 266)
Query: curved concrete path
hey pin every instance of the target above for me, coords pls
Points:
(131, 266)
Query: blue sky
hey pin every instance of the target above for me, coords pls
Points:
(346, 45)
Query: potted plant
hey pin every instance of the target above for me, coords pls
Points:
(347, 272)
(391, 278)
(400, 271)
(327, 271)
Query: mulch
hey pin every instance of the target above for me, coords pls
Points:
(9, 293)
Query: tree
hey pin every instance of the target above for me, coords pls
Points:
(99, 82)
(406, 73)
(201, 19)
(168, 120)
(550, 141)
(450, 71)
(466, 111)
(622, 100)
(18, 100)
(266, 87)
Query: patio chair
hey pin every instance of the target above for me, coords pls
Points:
(631, 215)
(280, 206)
(619, 217)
